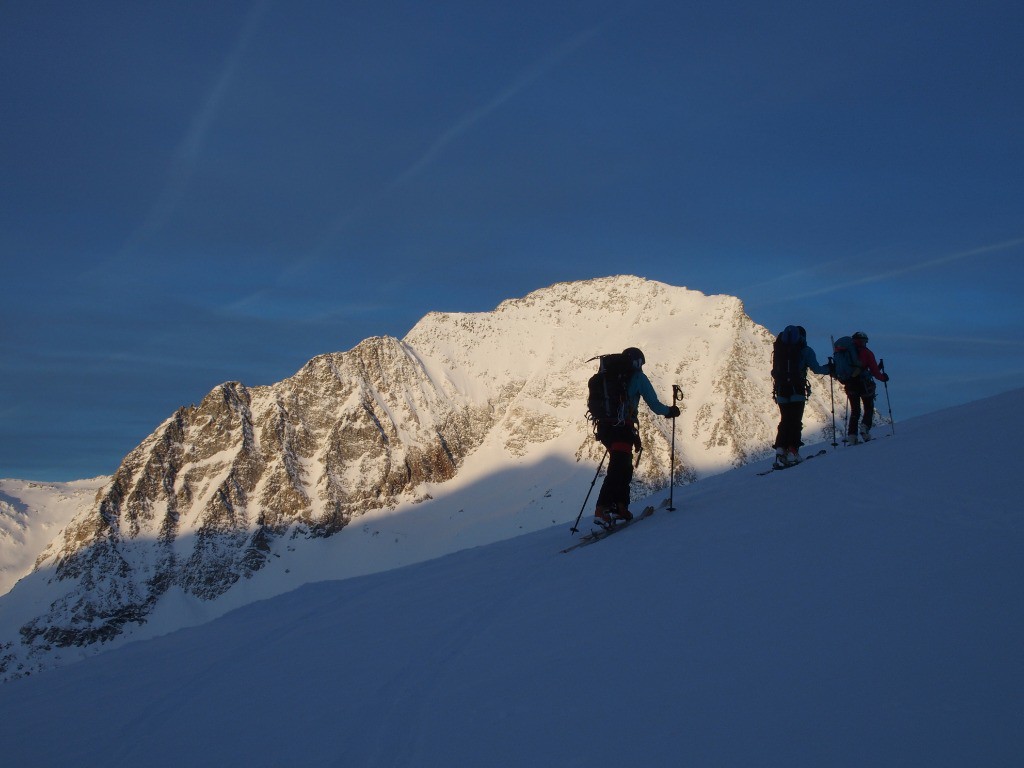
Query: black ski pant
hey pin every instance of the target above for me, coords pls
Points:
(615, 488)
(860, 393)
(791, 425)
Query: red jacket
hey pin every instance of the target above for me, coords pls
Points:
(868, 363)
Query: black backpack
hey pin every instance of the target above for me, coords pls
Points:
(788, 372)
(607, 401)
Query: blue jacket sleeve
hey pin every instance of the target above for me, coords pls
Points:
(640, 386)
(811, 361)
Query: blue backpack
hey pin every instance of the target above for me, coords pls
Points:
(846, 359)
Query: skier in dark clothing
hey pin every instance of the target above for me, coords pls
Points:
(620, 439)
(791, 359)
(861, 391)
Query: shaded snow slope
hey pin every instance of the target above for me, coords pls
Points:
(862, 609)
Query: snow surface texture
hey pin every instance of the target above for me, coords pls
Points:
(33, 513)
(863, 609)
(468, 431)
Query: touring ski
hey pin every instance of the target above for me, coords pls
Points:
(776, 467)
(603, 532)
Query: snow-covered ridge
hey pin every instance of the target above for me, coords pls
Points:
(226, 493)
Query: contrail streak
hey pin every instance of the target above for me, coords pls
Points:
(190, 149)
(910, 268)
(460, 128)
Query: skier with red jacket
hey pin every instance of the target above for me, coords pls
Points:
(861, 391)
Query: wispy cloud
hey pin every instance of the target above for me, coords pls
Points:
(791, 278)
(897, 272)
(270, 304)
(190, 149)
(525, 79)
(966, 341)
(460, 128)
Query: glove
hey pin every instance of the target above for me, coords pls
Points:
(885, 376)
(673, 411)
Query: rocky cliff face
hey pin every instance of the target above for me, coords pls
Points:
(198, 504)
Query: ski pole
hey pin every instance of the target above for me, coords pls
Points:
(846, 411)
(832, 397)
(677, 395)
(892, 424)
(575, 526)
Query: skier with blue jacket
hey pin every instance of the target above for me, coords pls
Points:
(791, 359)
(620, 439)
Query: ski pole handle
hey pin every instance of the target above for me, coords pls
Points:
(677, 393)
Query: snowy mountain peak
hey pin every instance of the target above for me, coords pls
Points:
(222, 490)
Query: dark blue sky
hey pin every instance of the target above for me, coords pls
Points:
(196, 193)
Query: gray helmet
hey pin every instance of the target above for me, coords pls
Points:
(860, 336)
